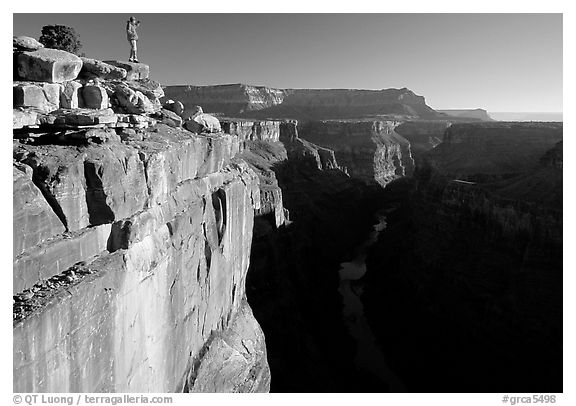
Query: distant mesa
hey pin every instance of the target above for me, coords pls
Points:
(247, 101)
(528, 116)
(479, 114)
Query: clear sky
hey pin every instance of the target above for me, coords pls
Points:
(500, 62)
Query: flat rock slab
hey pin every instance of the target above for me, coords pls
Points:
(133, 70)
(84, 117)
(48, 65)
(23, 43)
(103, 70)
(58, 254)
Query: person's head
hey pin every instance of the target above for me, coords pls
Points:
(132, 19)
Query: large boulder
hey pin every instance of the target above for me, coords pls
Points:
(48, 65)
(43, 96)
(22, 43)
(170, 118)
(150, 88)
(133, 101)
(174, 106)
(133, 70)
(94, 97)
(201, 122)
(94, 68)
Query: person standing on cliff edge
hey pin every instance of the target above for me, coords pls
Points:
(132, 36)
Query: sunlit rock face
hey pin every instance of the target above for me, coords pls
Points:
(369, 150)
(133, 278)
(239, 100)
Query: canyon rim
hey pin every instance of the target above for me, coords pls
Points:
(179, 227)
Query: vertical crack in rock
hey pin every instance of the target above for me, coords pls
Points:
(40, 177)
(219, 204)
(144, 160)
(98, 209)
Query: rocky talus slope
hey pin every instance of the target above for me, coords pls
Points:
(132, 238)
(464, 288)
(239, 100)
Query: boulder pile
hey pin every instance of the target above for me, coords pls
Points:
(55, 90)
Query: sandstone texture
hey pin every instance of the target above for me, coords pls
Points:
(42, 96)
(23, 43)
(252, 130)
(133, 70)
(94, 97)
(48, 65)
(135, 256)
(70, 96)
(203, 123)
(99, 69)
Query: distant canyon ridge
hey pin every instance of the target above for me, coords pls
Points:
(240, 100)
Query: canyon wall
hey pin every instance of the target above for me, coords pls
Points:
(239, 100)
(293, 277)
(371, 151)
(423, 135)
(467, 277)
(494, 149)
(132, 237)
(139, 295)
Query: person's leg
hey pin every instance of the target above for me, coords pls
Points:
(135, 50)
(131, 51)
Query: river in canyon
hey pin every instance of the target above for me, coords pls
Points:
(368, 358)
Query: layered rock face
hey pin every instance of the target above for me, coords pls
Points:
(151, 270)
(422, 135)
(494, 149)
(132, 241)
(240, 100)
(468, 274)
(369, 150)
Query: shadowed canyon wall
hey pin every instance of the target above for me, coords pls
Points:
(464, 287)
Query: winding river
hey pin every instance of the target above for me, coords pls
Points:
(369, 357)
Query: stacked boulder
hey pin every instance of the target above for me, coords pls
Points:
(57, 90)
